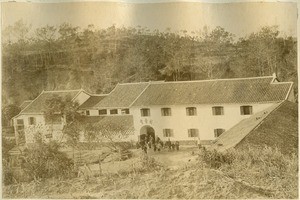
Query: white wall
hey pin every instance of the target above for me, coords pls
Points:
(40, 126)
(81, 98)
(205, 121)
(96, 112)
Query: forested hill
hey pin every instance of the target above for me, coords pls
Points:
(67, 57)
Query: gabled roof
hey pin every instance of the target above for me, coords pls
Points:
(278, 130)
(122, 96)
(219, 91)
(38, 105)
(92, 101)
(276, 126)
(234, 135)
(25, 103)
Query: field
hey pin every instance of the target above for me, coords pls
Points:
(188, 173)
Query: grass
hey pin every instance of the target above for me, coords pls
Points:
(278, 130)
(248, 174)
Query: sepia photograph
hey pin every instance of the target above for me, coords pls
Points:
(149, 99)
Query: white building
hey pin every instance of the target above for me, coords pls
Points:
(31, 119)
(185, 110)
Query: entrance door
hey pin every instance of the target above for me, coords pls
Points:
(147, 133)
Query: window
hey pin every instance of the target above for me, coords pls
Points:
(168, 133)
(246, 110)
(20, 127)
(113, 111)
(193, 132)
(218, 132)
(218, 110)
(102, 112)
(145, 112)
(166, 112)
(20, 122)
(190, 111)
(125, 111)
(87, 112)
(31, 121)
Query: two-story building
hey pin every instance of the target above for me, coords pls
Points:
(183, 110)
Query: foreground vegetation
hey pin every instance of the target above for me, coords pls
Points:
(234, 174)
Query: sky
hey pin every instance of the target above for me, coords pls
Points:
(240, 19)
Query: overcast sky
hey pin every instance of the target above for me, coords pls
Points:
(237, 18)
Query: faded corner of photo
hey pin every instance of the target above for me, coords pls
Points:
(149, 99)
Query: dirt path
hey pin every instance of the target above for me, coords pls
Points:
(169, 159)
(174, 159)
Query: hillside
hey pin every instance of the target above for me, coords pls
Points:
(97, 59)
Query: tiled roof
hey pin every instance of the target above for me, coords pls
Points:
(278, 130)
(276, 127)
(122, 96)
(243, 90)
(123, 120)
(25, 103)
(237, 133)
(92, 101)
(38, 105)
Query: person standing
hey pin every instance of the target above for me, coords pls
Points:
(158, 146)
(169, 144)
(177, 145)
(198, 143)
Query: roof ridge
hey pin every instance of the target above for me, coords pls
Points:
(144, 82)
(211, 80)
(140, 94)
(53, 91)
(30, 103)
(96, 95)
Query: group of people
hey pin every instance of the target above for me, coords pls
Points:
(149, 142)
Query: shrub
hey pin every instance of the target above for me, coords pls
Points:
(45, 161)
(145, 163)
(215, 159)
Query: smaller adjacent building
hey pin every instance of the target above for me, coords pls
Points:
(181, 111)
(31, 119)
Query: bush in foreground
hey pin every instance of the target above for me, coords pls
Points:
(45, 161)
(267, 171)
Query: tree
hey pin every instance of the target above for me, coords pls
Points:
(109, 133)
(8, 112)
(45, 160)
(63, 107)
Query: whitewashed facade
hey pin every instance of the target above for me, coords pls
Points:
(179, 122)
(181, 111)
(31, 120)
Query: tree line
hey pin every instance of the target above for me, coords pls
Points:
(69, 57)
